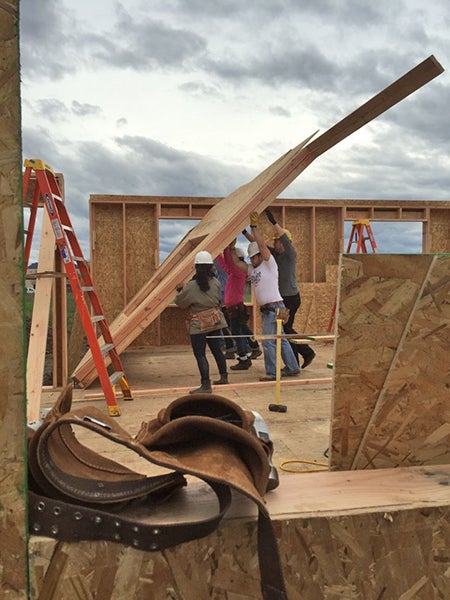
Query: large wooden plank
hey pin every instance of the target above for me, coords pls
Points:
(37, 342)
(364, 535)
(390, 400)
(225, 220)
(13, 545)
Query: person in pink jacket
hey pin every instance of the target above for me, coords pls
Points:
(236, 309)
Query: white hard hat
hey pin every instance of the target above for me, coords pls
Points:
(203, 258)
(253, 249)
(239, 252)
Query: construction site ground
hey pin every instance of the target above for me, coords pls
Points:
(159, 375)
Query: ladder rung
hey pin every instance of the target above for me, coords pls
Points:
(79, 258)
(97, 318)
(67, 227)
(106, 348)
(114, 377)
(87, 288)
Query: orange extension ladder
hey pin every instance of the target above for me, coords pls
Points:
(361, 233)
(46, 187)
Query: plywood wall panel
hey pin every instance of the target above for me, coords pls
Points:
(314, 313)
(141, 248)
(327, 243)
(13, 545)
(391, 378)
(299, 222)
(107, 253)
(440, 231)
(364, 536)
(411, 423)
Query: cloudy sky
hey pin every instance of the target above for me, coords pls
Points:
(196, 97)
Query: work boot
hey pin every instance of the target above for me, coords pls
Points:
(242, 364)
(255, 353)
(223, 379)
(307, 353)
(308, 357)
(205, 388)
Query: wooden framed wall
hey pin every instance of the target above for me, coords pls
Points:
(13, 530)
(125, 248)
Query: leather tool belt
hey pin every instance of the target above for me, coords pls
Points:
(281, 312)
(77, 494)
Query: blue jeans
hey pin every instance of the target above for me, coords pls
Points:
(269, 327)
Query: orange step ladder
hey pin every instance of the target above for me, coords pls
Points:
(46, 187)
(361, 233)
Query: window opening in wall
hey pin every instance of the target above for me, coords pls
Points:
(391, 237)
(171, 232)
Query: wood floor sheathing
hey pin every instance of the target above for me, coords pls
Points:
(159, 375)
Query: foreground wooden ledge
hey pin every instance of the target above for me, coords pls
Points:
(352, 534)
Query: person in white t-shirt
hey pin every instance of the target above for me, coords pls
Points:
(263, 275)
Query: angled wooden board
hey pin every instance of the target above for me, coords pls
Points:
(225, 220)
(391, 403)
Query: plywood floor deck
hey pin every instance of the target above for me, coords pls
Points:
(159, 375)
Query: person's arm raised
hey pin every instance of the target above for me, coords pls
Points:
(237, 262)
(265, 252)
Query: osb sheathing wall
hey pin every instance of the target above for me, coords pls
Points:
(361, 535)
(391, 397)
(125, 249)
(13, 545)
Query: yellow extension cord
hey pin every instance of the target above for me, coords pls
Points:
(306, 462)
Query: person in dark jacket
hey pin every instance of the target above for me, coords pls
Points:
(200, 294)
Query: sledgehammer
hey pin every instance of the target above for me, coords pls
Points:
(277, 407)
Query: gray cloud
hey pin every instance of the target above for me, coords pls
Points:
(279, 111)
(84, 109)
(51, 109)
(47, 39)
(143, 44)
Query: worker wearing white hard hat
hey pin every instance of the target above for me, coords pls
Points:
(202, 296)
(263, 275)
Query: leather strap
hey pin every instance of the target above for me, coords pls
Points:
(74, 522)
(69, 522)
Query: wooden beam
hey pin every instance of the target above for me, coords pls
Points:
(222, 389)
(225, 220)
(37, 342)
